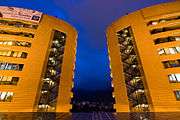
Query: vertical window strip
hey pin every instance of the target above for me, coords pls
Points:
(133, 77)
(49, 90)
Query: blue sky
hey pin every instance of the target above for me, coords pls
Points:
(90, 18)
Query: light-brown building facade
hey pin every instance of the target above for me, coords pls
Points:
(144, 53)
(37, 60)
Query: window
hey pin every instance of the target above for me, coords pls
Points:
(18, 24)
(6, 96)
(23, 34)
(8, 80)
(174, 77)
(164, 29)
(16, 54)
(166, 39)
(155, 22)
(171, 63)
(177, 94)
(16, 43)
(11, 66)
(167, 51)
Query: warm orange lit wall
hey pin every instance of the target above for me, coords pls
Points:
(158, 89)
(26, 93)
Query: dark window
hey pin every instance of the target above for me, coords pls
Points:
(171, 63)
(18, 24)
(167, 39)
(164, 29)
(23, 34)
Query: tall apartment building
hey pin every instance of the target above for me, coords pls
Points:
(144, 53)
(37, 60)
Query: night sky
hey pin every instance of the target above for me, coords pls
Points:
(90, 18)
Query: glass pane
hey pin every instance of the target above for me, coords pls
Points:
(10, 43)
(1, 78)
(178, 49)
(161, 51)
(9, 78)
(19, 54)
(3, 94)
(167, 51)
(5, 43)
(178, 77)
(172, 50)
(2, 66)
(4, 78)
(9, 67)
(177, 38)
(15, 54)
(9, 53)
(172, 77)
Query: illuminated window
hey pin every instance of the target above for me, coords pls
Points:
(16, 43)
(16, 54)
(23, 34)
(6, 96)
(177, 94)
(171, 50)
(171, 63)
(18, 24)
(8, 80)
(174, 77)
(11, 66)
(155, 22)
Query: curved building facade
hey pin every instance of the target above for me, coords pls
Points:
(37, 60)
(144, 53)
